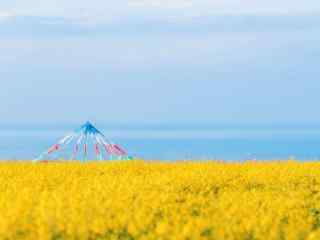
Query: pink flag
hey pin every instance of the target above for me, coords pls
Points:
(119, 150)
(53, 148)
(109, 149)
(85, 148)
(97, 149)
(76, 149)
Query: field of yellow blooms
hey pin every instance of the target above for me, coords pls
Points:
(154, 200)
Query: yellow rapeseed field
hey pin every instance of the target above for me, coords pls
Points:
(153, 200)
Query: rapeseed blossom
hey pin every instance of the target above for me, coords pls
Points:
(154, 200)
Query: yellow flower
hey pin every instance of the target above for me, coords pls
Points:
(143, 200)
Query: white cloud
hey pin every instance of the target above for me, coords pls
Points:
(110, 11)
(227, 7)
(4, 16)
(177, 4)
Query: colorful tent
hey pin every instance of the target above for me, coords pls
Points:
(84, 144)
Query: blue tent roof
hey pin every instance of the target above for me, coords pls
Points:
(88, 128)
(85, 143)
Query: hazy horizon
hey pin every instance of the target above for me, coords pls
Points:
(163, 125)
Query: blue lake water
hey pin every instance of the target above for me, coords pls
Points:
(180, 144)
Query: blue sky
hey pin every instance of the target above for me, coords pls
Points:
(175, 61)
